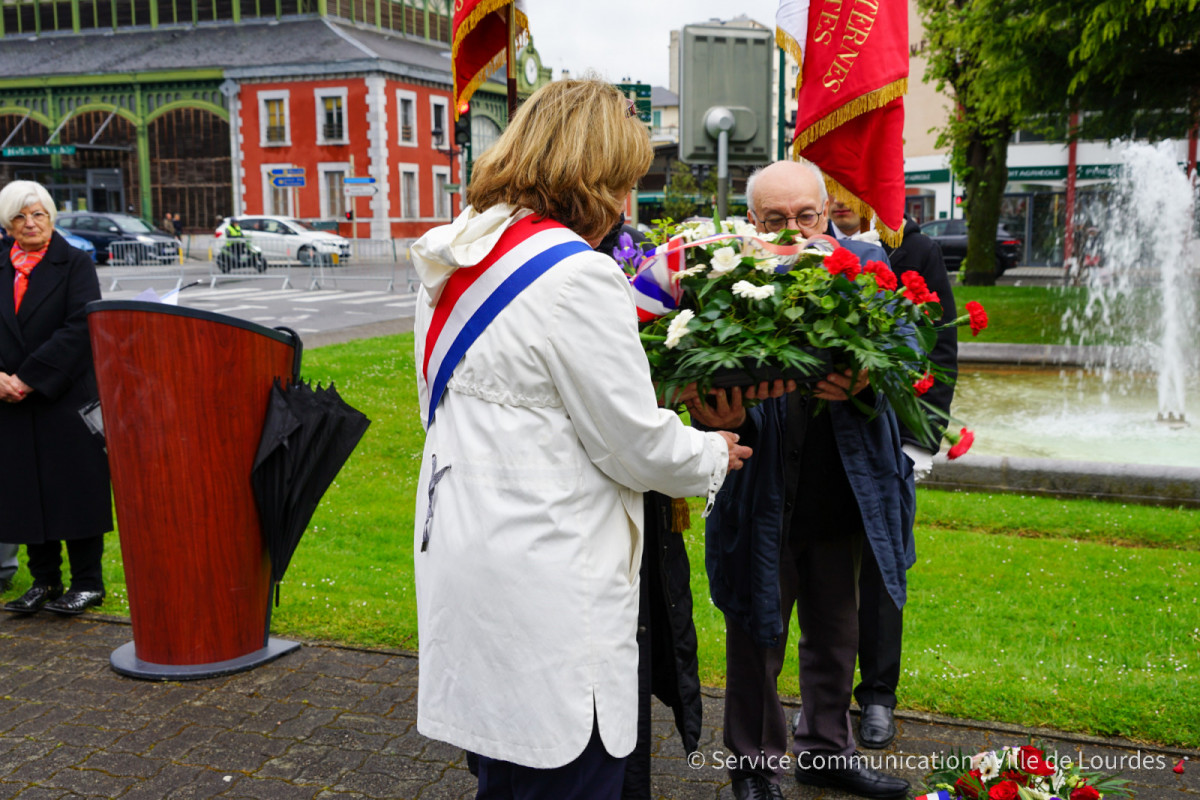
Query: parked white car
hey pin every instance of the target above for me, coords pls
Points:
(288, 239)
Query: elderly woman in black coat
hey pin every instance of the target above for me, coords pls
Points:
(54, 484)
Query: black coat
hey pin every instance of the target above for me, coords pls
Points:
(920, 253)
(54, 481)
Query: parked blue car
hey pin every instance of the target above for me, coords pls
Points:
(80, 242)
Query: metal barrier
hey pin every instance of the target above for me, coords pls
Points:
(368, 260)
(142, 261)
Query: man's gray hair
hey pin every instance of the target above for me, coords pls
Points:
(18, 194)
(816, 171)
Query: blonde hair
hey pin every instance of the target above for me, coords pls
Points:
(18, 194)
(571, 153)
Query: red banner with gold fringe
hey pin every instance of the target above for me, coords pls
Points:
(850, 122)
(479, 43)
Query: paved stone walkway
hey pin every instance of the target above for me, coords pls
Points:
(329, 722)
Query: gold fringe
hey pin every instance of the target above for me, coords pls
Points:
(497, 61)
(836, 189)
(681, 517)
(856, 107)
(788, 43)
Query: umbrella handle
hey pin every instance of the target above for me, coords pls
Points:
(297, 351)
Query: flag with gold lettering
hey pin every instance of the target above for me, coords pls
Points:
(479, 43)
(853, 76)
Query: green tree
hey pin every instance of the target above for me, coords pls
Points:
(1097, 69)
(679, 195)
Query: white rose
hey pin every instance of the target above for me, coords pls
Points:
(748, 289)
(678, 327)
(724, 260)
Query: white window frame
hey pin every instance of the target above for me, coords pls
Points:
(275, 94)
(319, 95)
(404, 94)
(322, 170)
(444, 172)
(268, 188)
(447, 121)
(415, 171)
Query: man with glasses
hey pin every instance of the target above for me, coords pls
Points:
(829, 483)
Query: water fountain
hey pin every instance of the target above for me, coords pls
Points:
(1142, 291)
(1115, 413)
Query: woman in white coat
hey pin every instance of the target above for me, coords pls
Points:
(542, 434)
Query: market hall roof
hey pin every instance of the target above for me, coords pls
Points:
(285, 48)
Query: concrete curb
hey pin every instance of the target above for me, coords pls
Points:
(1133, 483)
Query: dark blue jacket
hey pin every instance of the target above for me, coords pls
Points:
(744, 533)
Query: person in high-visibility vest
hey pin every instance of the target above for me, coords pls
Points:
(234, 230)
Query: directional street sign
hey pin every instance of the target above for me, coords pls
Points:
(282, 181)
(358, 189)
(359, 180)
(293, 171)
(40, 150)
(452, 187)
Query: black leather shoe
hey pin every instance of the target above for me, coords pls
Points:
(75, 602)
(851, 775)
(877, 728)
(756, 787)
(38, 595)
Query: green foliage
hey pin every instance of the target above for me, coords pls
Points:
(680, 193)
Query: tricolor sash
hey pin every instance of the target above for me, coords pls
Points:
(474, 296)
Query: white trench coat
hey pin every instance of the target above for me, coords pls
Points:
(527, 594)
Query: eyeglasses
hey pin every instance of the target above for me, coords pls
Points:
(777, 222)
(37, 218)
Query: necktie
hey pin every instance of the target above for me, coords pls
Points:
(23, 263)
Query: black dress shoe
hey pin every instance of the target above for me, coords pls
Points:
(877, 728)
(850, 774)
(76, 602)
(38, 595)
(756, 787)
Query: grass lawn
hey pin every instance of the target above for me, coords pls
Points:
(1021, 314)
(1075, 614)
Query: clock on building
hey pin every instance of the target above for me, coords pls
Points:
(530, 69)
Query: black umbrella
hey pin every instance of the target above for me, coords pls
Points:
(308, 434)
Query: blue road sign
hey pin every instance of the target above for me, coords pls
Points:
(288, 180)
(293, 171)
(359, 180)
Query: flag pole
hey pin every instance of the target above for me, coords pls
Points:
(512, 60)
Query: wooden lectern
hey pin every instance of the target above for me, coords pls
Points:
(183, 394)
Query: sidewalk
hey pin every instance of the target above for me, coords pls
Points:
(331, 722)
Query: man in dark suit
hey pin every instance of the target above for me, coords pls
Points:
(827, 484)
(880, 621)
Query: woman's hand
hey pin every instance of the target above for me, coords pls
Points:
(737, 453)
(839, 387)
(13, 389)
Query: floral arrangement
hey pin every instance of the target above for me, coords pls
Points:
(751, 306)
(1022, 773)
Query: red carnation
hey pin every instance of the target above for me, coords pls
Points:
(842, 260)
(1085, 793)
(918, 292)
(962, 443)
(978, 316)
(1033, 761)
(1005, 790)
(884, 277)
(924, 385)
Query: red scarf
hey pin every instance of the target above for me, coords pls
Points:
(23, 263)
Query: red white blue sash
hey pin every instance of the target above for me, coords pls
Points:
(474, 296)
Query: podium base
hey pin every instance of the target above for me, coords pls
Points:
(124, 661)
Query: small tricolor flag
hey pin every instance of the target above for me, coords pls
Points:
(940, 794)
